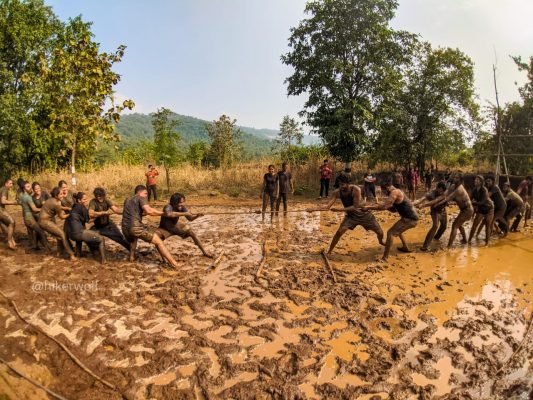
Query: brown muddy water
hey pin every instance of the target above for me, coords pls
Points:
(437, 325)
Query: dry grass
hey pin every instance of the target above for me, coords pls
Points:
(240, 180)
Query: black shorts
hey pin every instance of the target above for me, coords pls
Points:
(367, 220)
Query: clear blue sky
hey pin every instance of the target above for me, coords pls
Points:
(208, 57)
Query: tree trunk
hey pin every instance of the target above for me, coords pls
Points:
(168, 178)
(73, 164)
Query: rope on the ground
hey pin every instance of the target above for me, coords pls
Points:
(260, 212)
(72, 356)
(32, 381)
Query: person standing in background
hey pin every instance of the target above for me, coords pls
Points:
(285, 186)
(417, 180)
(428, 178)
(325, 177)
(370, 186)
(151, 182)
(269, 191)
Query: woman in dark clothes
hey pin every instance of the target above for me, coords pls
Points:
(75, 227)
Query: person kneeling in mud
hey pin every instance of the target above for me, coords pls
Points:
(170, 225)
(396, 201)
(350, 196)
(75, 227)
(133, 227)
(100, 208)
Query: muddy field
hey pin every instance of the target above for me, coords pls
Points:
(437, 325)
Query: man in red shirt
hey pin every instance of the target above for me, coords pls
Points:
(151, 181)
(325, 176)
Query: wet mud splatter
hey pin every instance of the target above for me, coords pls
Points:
(436, 325)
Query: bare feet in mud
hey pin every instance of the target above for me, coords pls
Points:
(11, 245)
(73, 258)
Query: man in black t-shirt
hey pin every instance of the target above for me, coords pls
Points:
(170, 225)
(133, 227)
(285, 186)
(100, 208)
(269, 190)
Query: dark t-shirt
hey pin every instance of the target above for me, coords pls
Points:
(432, 196)
(133, 212)
(94, 205)
(284, 179)
(497, 198)
(270, 182)
(40, 201)
(168, 223)
(481, 200)
(75, 223)
(428, 177)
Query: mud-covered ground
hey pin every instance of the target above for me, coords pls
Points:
(437, 325)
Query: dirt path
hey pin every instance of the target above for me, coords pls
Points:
(425, 325)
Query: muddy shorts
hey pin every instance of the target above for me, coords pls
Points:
(366, 220)
(402, 225)
(139, 232)
(5, 217)
(464, 215)
(181, 230)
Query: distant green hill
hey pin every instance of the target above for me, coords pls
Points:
(134, 127)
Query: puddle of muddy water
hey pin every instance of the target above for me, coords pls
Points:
(161, 327)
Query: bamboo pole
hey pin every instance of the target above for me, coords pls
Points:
(32, 381)
(218, 259)
(72, 356)
(263, 260)
(329, 266)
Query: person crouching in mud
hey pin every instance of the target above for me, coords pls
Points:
(350, 196)
(76, 231)
(134, 229)
(396, 201)
(170, 225)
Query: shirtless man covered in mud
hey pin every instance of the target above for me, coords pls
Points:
(350, 196)
(396, 201)
(458, 193)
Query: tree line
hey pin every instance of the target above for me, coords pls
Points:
(389, 96)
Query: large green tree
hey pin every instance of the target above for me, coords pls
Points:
(56, 88)
(347, 59)
(432, 110)
(28, 31)
(79, 83)
(166, 140)
(225, 145)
